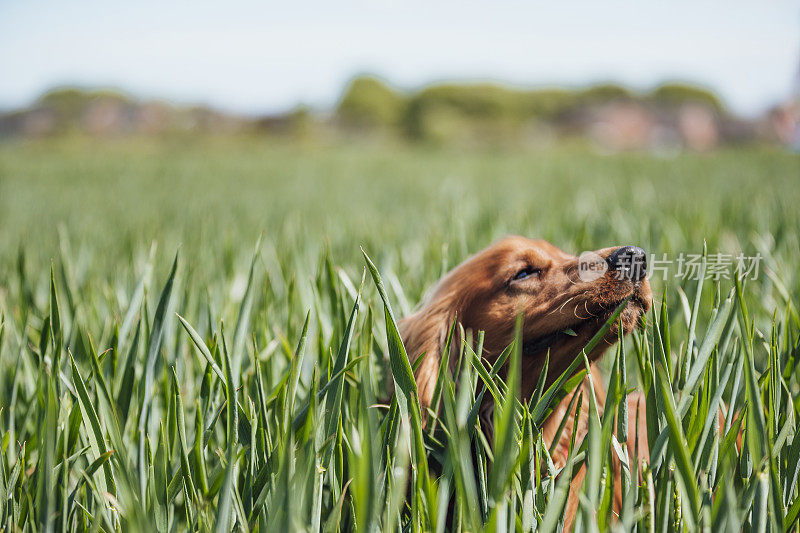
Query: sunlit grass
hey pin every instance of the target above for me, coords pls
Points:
(225, 387)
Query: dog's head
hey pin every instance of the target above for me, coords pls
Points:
(563, 299)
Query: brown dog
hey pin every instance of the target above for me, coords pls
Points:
(553, 291)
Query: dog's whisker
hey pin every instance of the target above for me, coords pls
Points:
(561, 307)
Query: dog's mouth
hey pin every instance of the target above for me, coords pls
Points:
(577, 334)
(558, 338)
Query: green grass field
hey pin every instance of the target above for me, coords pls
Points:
(160, 370)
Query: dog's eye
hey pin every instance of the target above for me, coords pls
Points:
(527, 272)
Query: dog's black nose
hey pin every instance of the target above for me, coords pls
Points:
(629, 262)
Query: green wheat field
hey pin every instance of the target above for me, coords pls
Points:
(193, 340)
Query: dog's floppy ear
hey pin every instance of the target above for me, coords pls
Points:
(424, 334)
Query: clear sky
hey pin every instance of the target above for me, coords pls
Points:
(267, 56)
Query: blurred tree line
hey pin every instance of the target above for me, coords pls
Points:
(610, 116)
(456, 111)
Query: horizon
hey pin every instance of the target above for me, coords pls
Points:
(404, 91)
(261, 62)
